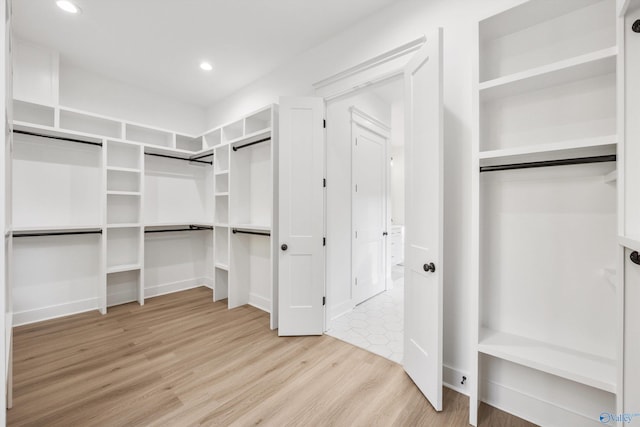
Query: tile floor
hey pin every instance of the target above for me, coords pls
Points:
(377, 324)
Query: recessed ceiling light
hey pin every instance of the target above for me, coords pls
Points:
(206, 66)
(67, 6)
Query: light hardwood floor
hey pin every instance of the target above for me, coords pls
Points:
(183, 360)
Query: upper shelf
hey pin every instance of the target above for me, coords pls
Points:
(578, 68)
(64, 121)
(580, 367)
(574, 148)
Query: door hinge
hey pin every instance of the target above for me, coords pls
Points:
(324, 123)
(324, 300)
(324, 241)
(324, 182)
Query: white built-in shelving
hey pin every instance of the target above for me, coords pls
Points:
(154, 196)
(545, 212)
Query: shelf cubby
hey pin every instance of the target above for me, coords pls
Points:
(539, 33)
(221, 159)
(123, 209)
(257, 122)
(123, 155)
(29, 112)
(188, 143)
(222, 210)
(123, 247)
(250, 267)
(222, 284)
(82, 122)
(233, 131)
(149, 136)
(213, 138)
(221, 246)
(123, 287)
(118, 180)
(222, 183)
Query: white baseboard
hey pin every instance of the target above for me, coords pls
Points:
(452, 377)
(259, 302)
(54, 311)
(535, 409)
(338, 310)
(169, 288)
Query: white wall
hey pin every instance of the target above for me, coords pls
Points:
(391, 27)
(89, 91)
(339, 195)
(397, 169)
(70, 85)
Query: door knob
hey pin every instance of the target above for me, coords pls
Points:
(284, 247)
(429, 267)
(634, 257)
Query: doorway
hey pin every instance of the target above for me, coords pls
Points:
(372, 315)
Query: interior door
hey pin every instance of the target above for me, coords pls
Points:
(424, 226)
(301, 216)
(369, 213)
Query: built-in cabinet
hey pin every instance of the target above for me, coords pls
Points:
(114, 212)
(548, 301)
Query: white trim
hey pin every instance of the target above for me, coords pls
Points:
(369, 122)
(169, 288)
(452, 377)
(260, 302)
(376, 70)
(54, 311)
(385, 57)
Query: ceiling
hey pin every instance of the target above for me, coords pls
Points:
(159, 44)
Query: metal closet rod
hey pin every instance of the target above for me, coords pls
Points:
(236, 148)
(256, 233)
(201, 157)
(57, 233)
(191, 228)
(546, 163)
(60, 138)
(177, 158)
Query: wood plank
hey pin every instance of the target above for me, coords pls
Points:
(183, 360)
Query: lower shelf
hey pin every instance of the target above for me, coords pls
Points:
(583, 368)
(121, 268)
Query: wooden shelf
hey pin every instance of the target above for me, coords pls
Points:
(251, 137)
(221, 225)
(123, 268)
(226, 193)
(570, 70)
(180, 224)
(583, 368)
(573, 148)
(223, 172)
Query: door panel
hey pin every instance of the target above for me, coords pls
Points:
(369, 213)
(301, 217)
(424, 225)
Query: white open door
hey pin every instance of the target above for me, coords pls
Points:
(424, 227)
(301, 216)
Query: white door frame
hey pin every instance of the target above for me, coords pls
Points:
(359, 118)
(374, 71)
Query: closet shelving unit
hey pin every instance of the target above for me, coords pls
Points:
(153, 221)
(629, 202)
(245, 190)
(545, 213)
(111, 202)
